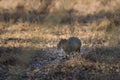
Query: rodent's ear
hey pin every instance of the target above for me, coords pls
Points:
(62, 39)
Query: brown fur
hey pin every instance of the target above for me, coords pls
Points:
(73, 44)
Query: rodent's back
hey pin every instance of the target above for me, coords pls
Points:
(73, 44)
(70, 45)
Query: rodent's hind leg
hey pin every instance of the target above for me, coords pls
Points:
(78, 50)
(67, 56)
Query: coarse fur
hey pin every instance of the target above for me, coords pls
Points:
(73, 44)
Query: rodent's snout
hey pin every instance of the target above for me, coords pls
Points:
(58, 48)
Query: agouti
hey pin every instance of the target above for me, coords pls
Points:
(73, 44)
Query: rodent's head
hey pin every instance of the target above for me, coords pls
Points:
(62, 44)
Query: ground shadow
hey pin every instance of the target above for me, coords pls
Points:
(91, 68)
(14, 60)
(109, 55)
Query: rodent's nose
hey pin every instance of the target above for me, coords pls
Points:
(59, 48)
